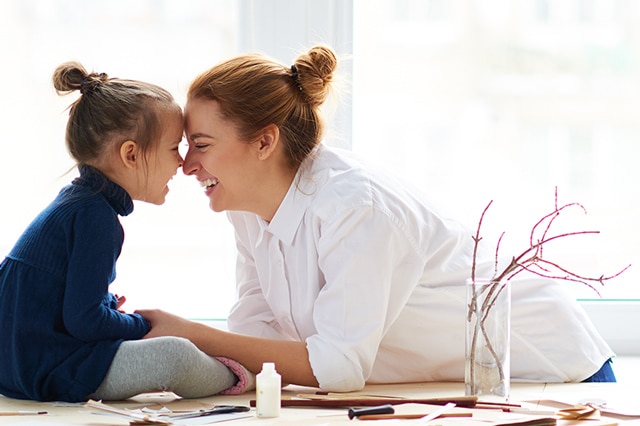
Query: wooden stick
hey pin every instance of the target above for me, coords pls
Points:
(409, 416)
(320, 394)
(460, 401)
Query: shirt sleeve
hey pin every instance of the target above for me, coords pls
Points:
(371, 266)
(94, 246)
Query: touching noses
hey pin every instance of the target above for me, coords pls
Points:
(189, 166)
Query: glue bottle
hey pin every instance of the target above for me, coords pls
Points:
(268, 384)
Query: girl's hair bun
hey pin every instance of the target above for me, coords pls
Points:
(72, 76)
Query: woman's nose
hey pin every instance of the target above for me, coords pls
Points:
(189, 166)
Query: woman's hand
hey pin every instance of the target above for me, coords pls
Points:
(165, 324)
(291, 357)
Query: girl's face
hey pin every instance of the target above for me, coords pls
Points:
(222, 162)
(163, 160)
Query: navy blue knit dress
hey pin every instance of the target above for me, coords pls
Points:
(59, 325)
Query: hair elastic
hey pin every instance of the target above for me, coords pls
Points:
(83, 85)
(295, 76)
(88, 84)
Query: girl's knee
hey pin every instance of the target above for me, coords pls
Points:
(174, 350)
(178, 353)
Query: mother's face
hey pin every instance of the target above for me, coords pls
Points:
(217, 157)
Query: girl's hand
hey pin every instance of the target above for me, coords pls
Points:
(121, 300)
(164, 324)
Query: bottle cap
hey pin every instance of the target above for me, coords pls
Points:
(268, 366)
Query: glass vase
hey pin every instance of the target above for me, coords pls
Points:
(488, 334)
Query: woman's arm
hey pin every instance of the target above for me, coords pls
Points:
(291, 358)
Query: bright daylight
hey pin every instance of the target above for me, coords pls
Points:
(292, 210)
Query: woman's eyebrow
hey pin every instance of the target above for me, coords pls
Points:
(198, 136)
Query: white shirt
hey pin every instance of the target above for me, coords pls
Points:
(361, 267)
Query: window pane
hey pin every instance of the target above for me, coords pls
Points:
(505, 100)
(179, 256)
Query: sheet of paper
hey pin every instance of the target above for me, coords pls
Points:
(611, 407)
(149, 416)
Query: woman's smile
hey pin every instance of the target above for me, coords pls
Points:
(209, 185)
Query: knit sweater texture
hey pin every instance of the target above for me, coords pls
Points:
(59, 325)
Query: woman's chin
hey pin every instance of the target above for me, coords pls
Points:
(215, 206)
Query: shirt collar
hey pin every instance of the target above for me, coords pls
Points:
(289, 215)
(115, 195)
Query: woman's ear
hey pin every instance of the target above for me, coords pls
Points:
(268, 140)
(130, 154)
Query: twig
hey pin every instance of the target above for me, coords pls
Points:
(529, 260)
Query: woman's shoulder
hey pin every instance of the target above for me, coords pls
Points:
(335, 176)
(326, 157)
(341, 174)
(346, 181)
(328, 164)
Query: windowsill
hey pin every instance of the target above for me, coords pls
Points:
(611, 318)
(614, 319)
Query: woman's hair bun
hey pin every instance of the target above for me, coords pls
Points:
(315, 73)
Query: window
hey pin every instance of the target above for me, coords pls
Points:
(505, 100)
(179, 256)
(471, 100)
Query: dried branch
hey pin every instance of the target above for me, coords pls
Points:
(477, 239)
(533, 256)
(529, 260)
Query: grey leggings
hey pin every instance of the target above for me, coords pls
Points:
(163, 364)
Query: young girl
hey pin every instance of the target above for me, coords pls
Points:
(63, 335)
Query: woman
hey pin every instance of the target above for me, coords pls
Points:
(345, 275)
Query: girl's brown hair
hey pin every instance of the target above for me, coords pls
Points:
(109, 109)
(254, 91)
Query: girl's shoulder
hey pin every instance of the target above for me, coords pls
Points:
(76, 204)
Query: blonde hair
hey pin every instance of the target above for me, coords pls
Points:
(109, 109)
(254, 91)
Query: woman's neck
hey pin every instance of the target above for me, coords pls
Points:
(273, 192)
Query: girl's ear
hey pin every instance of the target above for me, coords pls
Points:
(130, 154)
(269, 139)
